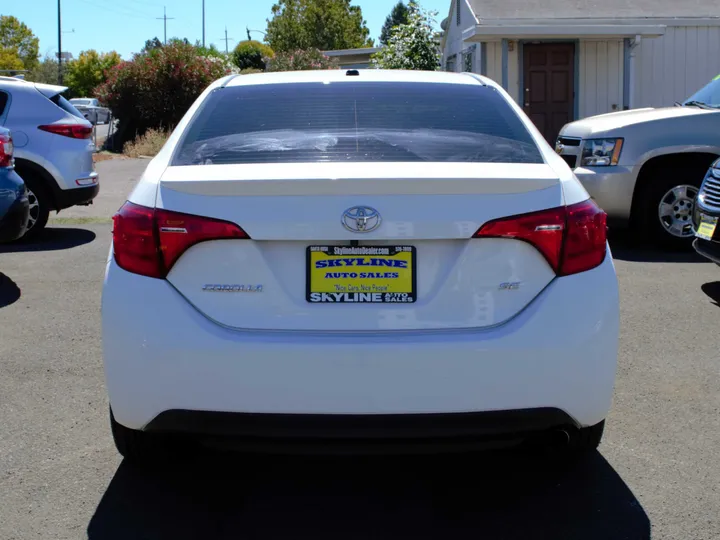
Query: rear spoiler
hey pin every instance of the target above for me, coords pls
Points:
(50, 90)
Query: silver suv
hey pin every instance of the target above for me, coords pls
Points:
(53, 147)
(644, 166)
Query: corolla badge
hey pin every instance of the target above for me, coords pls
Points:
(361, 219)
(225, 287)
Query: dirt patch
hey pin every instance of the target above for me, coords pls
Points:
(104, 156)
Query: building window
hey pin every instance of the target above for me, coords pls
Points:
(450, 63)
(468, 61)
(457, 11)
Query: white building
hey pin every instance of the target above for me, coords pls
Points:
(565, 60)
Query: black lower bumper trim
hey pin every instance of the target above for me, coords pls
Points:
(14, 224)
(403, 430)
(65, 198)
(708, 249)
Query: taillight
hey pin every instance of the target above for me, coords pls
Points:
(74, 131)
(149, 241)
(572, 239)
(6, 150)
(585, 238)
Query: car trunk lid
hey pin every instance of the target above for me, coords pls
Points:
(297, 215)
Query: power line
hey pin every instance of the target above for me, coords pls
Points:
(165, 19)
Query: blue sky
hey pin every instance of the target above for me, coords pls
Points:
(124, 25)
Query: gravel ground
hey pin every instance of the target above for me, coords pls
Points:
(656, 474)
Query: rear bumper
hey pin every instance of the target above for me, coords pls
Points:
(363, 432)
(66, 198)
(161, 354)
(14, 224)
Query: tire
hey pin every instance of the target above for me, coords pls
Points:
(142, 448)
(671, 192)
(40, 203)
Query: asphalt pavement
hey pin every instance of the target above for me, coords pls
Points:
(656, 474)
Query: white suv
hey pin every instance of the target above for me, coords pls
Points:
(369, 256)
(53, 150)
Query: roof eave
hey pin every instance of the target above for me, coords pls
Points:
(559, 30)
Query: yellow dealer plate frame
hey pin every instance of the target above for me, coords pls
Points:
(361, 274)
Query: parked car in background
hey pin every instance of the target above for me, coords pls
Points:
(53, 150)
(707, 214)
(92, 110)
(341, 259)
(14, 206)
(644, 166)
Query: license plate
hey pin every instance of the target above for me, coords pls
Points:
(706, 229)
(361, 274)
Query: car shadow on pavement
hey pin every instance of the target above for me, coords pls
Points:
(625, 248)
(712, 290)
(471, 496)
(9, 291)
(51, 239)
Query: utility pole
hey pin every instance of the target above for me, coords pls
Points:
(60, 77)
(226, 41)
(203, 4)
(164, 19)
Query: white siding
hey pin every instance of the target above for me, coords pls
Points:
(672, 67)
(454, 44)
(494, 67)
(494, 61)
(600, 77)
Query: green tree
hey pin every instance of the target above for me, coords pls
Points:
(17, 37)
(317, 24)
(89, 71)
(9, 60)
(251, 55)
(398, 16)
(412, 45)
(46, 71)
(151, 44)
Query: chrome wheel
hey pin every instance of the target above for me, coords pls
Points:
(34, 209)
(675, 210)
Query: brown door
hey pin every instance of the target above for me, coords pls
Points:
(549, 81)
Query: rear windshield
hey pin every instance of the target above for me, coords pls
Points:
(356, 122)
(65, 105)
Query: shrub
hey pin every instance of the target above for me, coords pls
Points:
(250, 71)
(155, 89)
(251, 54)
(301, 61)
(148, 144)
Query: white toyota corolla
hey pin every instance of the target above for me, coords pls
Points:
(353, 258)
